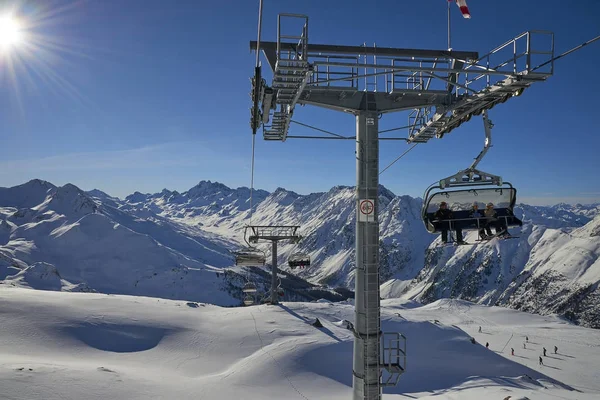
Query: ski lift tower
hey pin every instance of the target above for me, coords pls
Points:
(440, 90)
(274, 233)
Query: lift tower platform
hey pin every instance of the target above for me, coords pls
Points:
(440, 90)
(273, 234)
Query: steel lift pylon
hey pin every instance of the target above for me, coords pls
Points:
(440, 89)
(274, 234)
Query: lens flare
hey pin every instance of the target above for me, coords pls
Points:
(10, 32)
(39, 45)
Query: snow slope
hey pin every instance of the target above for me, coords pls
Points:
(68, 241)
(62, 346)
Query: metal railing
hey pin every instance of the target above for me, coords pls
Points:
(488, 222)
(517, 56)
(393, 357)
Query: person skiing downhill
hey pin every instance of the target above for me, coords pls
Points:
(512, 351)
(487, 345)
(544, 352)
(541, 361)
(555, 349)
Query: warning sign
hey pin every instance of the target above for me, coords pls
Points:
(366, 210)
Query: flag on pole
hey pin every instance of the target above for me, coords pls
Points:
(462, 5)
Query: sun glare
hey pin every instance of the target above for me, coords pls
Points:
(10, 32)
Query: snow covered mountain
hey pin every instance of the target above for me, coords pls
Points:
(326, 221)
(412, 266)
(60, 238)
(551, 267)
(172, 243)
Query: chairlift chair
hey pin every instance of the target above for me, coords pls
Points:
(248, 300)
(249, 287)
(250, 257)
(460, 202)
(461, 190)
(299, 260)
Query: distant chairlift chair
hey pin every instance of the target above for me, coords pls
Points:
(249, 287)
(299, 259)
(248, 300)
(250, 257)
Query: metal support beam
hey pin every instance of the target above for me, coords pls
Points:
(270, 51)
(365, 380)
(274, 294)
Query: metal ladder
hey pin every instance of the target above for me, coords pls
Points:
(292, 72)
(467, 106)
(518, 69)
(372, 302)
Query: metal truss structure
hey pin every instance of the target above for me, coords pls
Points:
(440, 90)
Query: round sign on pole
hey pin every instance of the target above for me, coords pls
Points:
(367, 210)
(367, 207)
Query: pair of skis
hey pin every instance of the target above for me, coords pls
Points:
(503, 235)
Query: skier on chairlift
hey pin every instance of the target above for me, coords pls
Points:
(493, 220)
(444, 214)
(475, 213)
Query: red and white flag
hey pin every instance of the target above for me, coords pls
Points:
(462, 4)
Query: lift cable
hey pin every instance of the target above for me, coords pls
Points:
(396, 129)
(399, 157)
(338, 136)
(320, 137)
(322, 130)
(252, 176)
(567, 52)
(255, 106)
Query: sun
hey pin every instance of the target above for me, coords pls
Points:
(35, 43)
(10, 32)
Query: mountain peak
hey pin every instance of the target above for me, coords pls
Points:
(26, 195)
(40, 182)
(205, 188)
(69, 199)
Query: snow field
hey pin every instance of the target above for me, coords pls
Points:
(61, 345)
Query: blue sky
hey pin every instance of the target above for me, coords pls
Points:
(147, 94)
